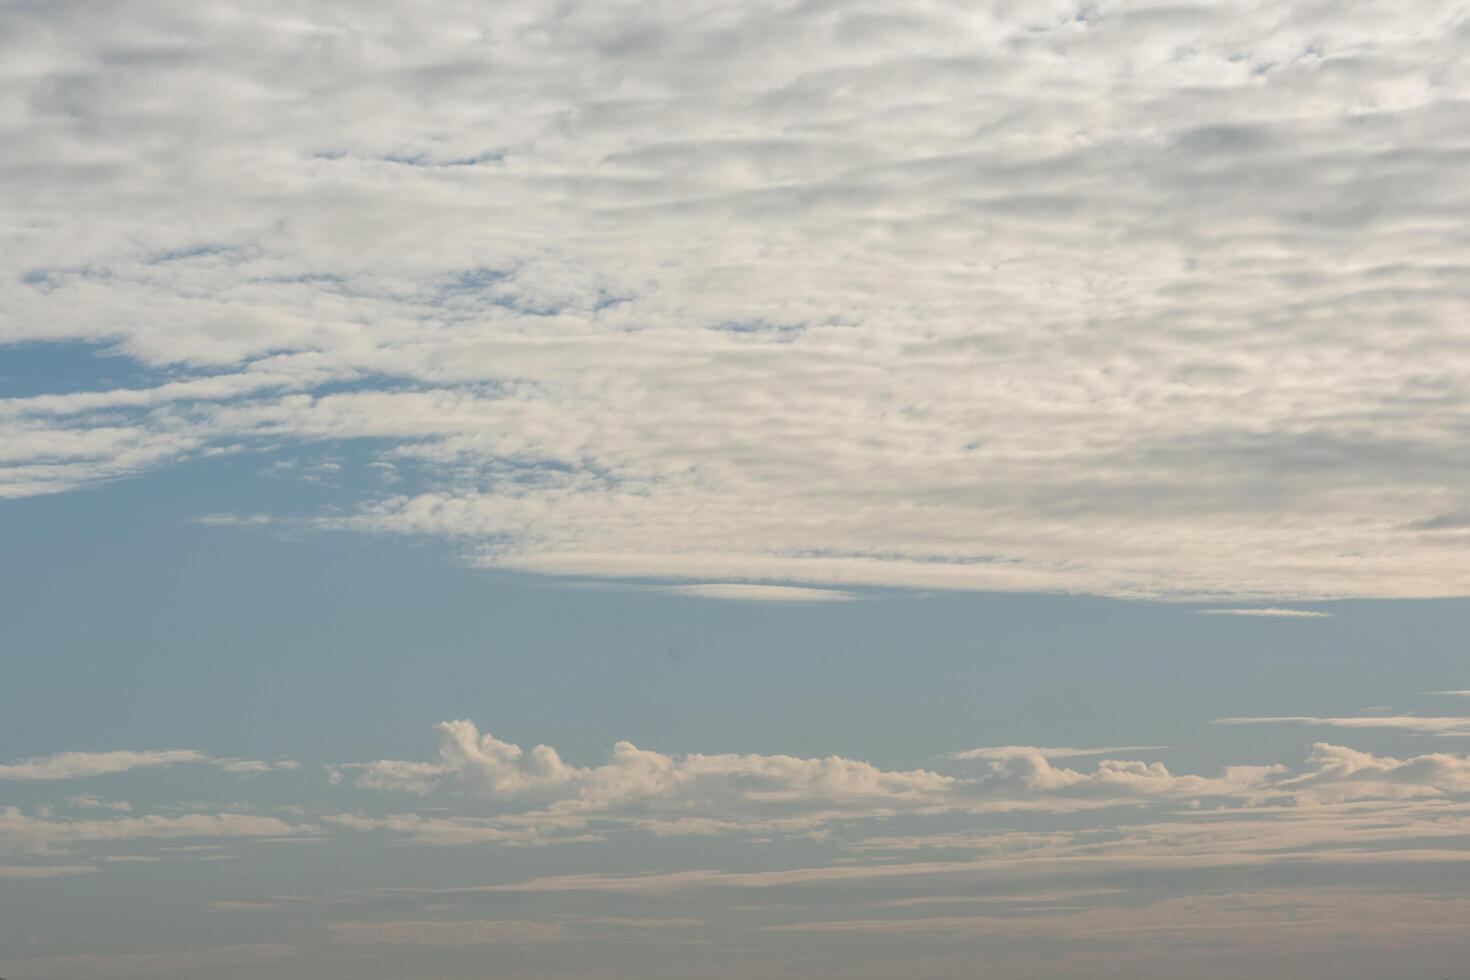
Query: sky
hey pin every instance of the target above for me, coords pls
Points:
(779, 489)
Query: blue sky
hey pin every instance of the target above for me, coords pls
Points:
(786, 490)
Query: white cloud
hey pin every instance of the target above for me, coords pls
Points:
(95, 803)
(1447, 726)
(1059, 752)
(744, 592)
(1338, 773)
(250, 767)
(44, 870)
(1267, 612)
(985, 297)
(79, 765)
(546, 799)
(23, 834)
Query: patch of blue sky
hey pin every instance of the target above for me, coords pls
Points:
(781, 331)
(58, 368)
(427, 160)
(202, 250)
(49, 278)
(473, 280)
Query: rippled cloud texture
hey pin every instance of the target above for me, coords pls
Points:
(1110, 297)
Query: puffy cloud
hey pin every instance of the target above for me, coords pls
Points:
(546, 799)
(1336, 773)
(1008, 296)
(728, 788)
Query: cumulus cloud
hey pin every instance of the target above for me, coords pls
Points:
(1001, 296)
(544, 799)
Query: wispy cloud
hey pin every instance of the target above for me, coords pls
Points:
(22, 833)
(81, 765)
(439, 932)
(745, 592)
(45, 870)
(1268, 612)
(1011, 751)
(1408, 723)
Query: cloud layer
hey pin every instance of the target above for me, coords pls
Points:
(1120, 298)
(544, 798)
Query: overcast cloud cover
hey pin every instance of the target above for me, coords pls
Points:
(737, 354)
(1111, 297)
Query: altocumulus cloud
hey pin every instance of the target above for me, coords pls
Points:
(1114, 298)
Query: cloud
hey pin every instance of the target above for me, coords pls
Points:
(439, 932)
(1268, 612)
(999, 297)
(23, 834)
(44, 870)
(546, 799)
(250, 767)
(1279, 917)
(1446, 726)
(94, 803)
(742, 592)
(1011, 751)
(1338, 773)
(670, 795)
(81, 765)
